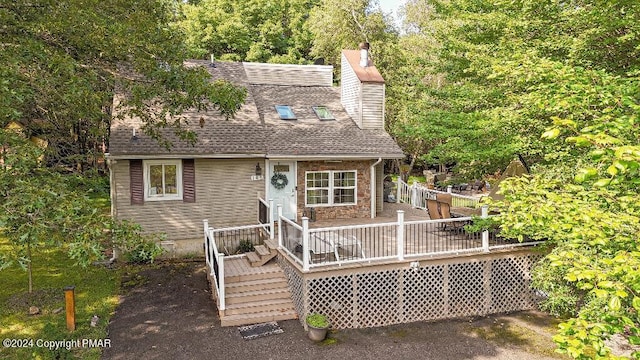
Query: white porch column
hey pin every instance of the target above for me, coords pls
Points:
(398, 190)
(400, 240)
(485, 234)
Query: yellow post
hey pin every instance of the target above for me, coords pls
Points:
(70, 304)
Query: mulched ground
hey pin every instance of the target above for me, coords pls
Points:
(166, 312)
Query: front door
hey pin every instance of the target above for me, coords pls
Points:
(282, 188)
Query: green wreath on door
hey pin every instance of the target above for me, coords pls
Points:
(279, 181)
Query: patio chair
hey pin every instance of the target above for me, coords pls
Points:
(444, 199)
(433, 208)
(445, 211)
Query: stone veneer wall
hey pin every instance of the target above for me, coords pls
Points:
(363, 207)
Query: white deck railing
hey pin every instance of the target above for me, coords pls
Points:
(265, 215)
(399, 240)
(215, 262)
(416, 195)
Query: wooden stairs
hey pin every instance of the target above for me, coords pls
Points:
(256, 290)
(263, 253)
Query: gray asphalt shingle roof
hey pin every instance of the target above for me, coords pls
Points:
(257, 129)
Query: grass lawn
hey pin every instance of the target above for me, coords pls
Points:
(96, 293)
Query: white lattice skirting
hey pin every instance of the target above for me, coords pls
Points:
(460, 287)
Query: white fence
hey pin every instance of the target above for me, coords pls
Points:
(417, 196)
(215, 262)
(399, 240)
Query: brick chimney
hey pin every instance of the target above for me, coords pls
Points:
(362, 88)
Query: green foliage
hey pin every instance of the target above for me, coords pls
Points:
(53, 333)
(42, 209)
(317, 320)
(136, 246)
(343, 24)
(143, 253)
(251, 30)
(557, 82)
(61, 60)
(245, 246)
(96, 289)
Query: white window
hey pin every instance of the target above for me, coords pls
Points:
(162, 180)
(330, 188)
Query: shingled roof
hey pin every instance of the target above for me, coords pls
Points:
(257, 130)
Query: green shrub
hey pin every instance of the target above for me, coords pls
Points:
(245, 246)
(317, 320)
(136, 247)
(144, 252)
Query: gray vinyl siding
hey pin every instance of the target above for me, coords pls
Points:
(226, 196)
(294, 75)
(372, 106)
(350, 91)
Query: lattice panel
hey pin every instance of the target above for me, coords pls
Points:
(334, 297)
(510, 284)
(379, 298)
(465, 289)
(423, 294)
(296, 286)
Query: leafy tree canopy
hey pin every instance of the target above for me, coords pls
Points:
(60, 62)
(568, 71)
(253, 30)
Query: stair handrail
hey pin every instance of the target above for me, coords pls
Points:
(215, 261)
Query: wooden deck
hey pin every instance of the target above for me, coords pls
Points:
(238, 268)
(389, 214)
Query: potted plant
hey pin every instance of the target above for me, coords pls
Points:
(318, 325)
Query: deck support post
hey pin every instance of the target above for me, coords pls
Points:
(398, 190)
(450, 189)
(271, 222)
(305, 243)
(400, 240)
(485, 233)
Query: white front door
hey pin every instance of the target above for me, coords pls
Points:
(282, 187)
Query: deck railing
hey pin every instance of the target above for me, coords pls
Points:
(397, 240)
(417, 195)
(215, 262)
(265, 215)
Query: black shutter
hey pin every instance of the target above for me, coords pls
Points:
(137, 182)
(188, 181)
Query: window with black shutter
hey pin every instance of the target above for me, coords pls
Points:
(188, 181)
(137, 182)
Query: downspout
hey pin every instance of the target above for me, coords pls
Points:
(114, 199)
(373, 187)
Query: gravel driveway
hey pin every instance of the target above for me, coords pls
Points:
(167, 313)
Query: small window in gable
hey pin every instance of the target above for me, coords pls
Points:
(323, 113)
(285, 112)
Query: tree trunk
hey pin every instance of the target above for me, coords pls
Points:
(29, 272)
